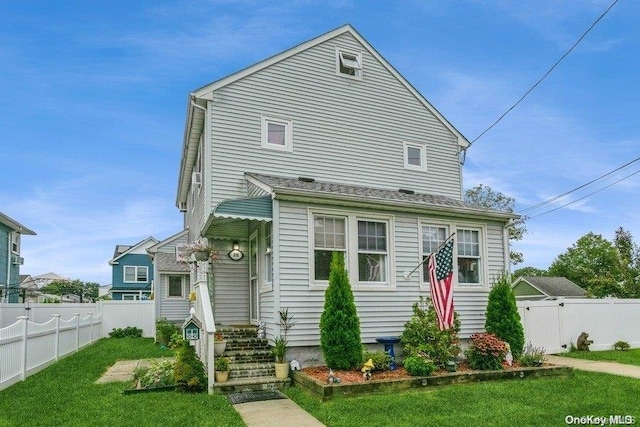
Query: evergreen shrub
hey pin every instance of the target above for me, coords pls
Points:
(503, 319)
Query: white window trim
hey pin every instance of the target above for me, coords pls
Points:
(167, 282)
(288, 134)
(347, 63)
(351, 249)
(454, 227)
(136, 267)
(423, 156)
(15, 238)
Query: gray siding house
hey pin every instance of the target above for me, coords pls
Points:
(326, 147)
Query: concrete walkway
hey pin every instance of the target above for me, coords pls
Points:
(596, 366)
(275, 413)
(122, 370)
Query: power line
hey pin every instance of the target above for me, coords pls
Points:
(547, 73)
(600, 178)
(584, 197)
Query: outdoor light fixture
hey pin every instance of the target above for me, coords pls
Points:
(235, 253)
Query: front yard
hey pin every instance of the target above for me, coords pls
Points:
(629, 357)
(65, 394)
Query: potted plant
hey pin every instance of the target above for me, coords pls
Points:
(281, 344)
(222, 369)
(219, 343)
(201, 251)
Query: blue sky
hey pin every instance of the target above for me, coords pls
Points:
(94, 94)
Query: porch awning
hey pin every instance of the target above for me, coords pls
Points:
(256, 208)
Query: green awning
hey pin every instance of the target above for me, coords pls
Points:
(256, 208)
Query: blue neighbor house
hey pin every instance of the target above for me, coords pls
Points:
(10, 259)
(132, 271)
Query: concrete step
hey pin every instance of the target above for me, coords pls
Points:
(248, 370)
(235, 385)
(236, 344)
(249, 356)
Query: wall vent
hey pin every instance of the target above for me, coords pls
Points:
(304, 179)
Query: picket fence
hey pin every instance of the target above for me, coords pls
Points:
(27, 346)
(556, 324)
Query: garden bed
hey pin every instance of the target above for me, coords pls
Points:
(314, 380)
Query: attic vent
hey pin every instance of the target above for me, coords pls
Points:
(303, 179)
(402, 190)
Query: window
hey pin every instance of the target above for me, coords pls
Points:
(469, 266)
(372, 251)
(432, 237)
(268, 253)
(415, 157)
(175, 287)
(15, 243)
(329, 235)
(277, 134)
(134, 274)
(348, 63)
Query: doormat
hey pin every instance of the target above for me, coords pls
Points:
(254, 396)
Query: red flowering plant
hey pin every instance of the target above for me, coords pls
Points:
(486, 352)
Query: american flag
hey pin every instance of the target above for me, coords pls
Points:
(440, 280)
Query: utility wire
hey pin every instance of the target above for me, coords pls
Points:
(553, 199)
(547, 73)
(584, 197)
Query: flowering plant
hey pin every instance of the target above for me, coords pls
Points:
(218, 336)
(192, 296)
(486, 352)
(202, 251)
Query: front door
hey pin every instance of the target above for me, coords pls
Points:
(254, 287)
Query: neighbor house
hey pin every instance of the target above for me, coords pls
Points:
(546, 288)
(132, 271)
(11, 232)
(171, 278)
(326, 147)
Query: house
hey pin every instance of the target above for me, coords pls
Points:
(171, 284)
(43, 280)
(546, 288)
(326, 147)
(11, 232)
(132, 271)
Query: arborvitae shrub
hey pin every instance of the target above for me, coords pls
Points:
(339, 323)
(503, 319)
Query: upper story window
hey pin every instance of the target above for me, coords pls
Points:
(136, 274)
(15, 243)
(277, 134)
(348, 63)
(415, 156)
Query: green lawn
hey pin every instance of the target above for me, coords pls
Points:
(630, 357)
(530, 402)
(65, 394)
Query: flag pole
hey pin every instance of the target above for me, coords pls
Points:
(407, 274)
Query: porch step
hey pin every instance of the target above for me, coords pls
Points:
(246, 384)
(239, 344)
(230, 332)
(249, 356)
(251, 370)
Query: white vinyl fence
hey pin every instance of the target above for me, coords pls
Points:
(27, 346)
(555, 325)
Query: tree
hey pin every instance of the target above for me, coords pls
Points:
(339, 323)
(529, 271)
(484, 196)
(629, 262)
(593, 263)
(503, 319)
(85, 290)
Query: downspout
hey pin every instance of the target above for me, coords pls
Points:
(507, 252)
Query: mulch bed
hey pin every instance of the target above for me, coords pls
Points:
(321, 373)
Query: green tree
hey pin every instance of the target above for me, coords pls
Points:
(529, 271)
(484, 196)
(629, 262)
(503, 319)
(339, 323)
(593, 263)
(85, 290)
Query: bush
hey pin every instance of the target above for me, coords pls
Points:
(419, 366)
(532, 356)
(621, 345)
(381, 360)
(339, 323)
(189, 370)
(486, 352)
(423, 335)
(176, 341)
(503, 319)
(128, 332)
(157, 375)
(164, 330)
